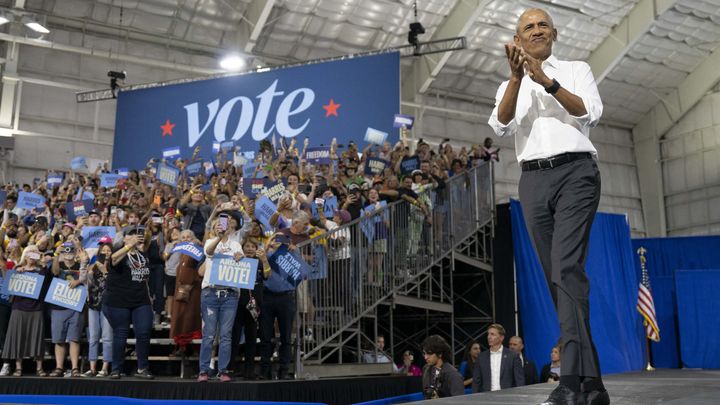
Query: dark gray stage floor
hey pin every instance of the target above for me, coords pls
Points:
(674, 387)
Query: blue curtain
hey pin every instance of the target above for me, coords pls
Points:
(615, 323)
(663, 257)
(698, 306)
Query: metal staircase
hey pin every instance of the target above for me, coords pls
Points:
(396, 262)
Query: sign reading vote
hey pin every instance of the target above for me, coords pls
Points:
(289, 269)
(319, 155)
(193, 169)
(228, 272)
(24, 284)
(29, 201)
(92, 235)
(375, 166)
(62, 295)
(190, 249)
(319, 100)
(168, 174)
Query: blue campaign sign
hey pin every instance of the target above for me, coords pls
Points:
(253, 187)
(209, 168)
(216, 147)
(329, 206)
(109, 179)
(190, 249)
(319, 100)
(3, 197)
(403, 121)
(264, 209)
(78, 163)
(375, 166)
(76, 209)
(273, 190)
(288, 270)
(24, 284)
(54, 179)
(375, 136)
(318, 155)
(319, 264)
(92, 235)
(249, 170)
(367, 225)
(409, 164)
(168, 174)
(193, 169)
(228, 272)
(227, 145)
(29, 201)
(171, 152)
(62, 295)
(123, 172)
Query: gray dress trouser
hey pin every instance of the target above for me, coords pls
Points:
(559, 205)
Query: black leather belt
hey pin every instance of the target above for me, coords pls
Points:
(554, 161)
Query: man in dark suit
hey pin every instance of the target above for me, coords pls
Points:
(517, 345)
(499, 367)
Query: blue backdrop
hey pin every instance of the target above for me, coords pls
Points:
(320, 101)
(698, 307)
(614, 321)
(663, 257)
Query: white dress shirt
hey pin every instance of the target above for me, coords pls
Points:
(495, 363)
(542, 127)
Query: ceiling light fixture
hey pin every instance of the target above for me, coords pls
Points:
(232, 62)
(34, 25)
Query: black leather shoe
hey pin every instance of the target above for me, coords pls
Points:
(115, 375)
(597, 398)
(563, 395)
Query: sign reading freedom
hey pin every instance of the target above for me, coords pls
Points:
(320, 100)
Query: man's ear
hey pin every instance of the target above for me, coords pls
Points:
(516, 39)
(554, 34)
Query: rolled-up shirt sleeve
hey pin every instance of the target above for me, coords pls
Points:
(587, 90)
(498, 127)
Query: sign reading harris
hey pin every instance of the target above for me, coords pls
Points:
(318, 100)
(92, 235)
(29, 201)
(228, 272)
(375, 166)
(403, 121)
(62, 295)
(289, 269)
(25, 284)
(190, 249)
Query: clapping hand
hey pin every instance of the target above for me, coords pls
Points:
(534, 70)
(516, 59)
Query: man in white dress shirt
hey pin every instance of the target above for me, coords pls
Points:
(497, 368)
(549, 106)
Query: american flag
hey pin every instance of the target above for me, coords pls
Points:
(645, 304)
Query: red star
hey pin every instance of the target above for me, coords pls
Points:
(331, 108)
(167, 128)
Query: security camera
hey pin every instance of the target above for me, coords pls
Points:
(118, 75)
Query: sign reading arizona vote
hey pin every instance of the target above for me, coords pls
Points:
(321, 101)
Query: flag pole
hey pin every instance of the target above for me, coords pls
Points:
(649, 366)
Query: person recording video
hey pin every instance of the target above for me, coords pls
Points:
(440, 379)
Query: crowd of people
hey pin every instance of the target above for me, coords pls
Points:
(136, 276)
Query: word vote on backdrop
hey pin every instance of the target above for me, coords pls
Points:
(321, 101)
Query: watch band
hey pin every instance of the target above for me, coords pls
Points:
(553, 88)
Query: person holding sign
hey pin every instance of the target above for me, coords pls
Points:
(98, 324)
(378, 246)
(186, 323)
(67, 324)
(127, 299)
(25, 330)
(218, 304)
(249, 304)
